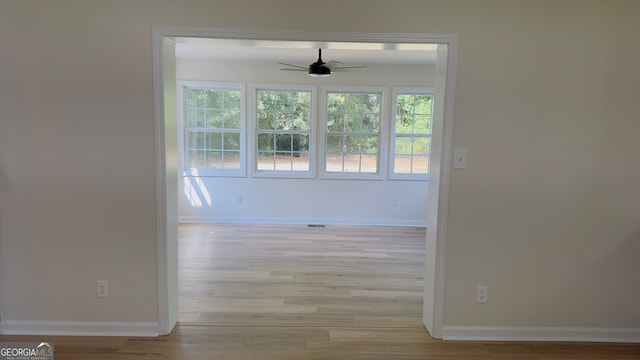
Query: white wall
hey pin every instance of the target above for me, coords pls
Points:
(546, 215)
(303, 201)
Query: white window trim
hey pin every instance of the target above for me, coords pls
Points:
(253, 131)
(383, 143)
(181, 85)
(392, 131)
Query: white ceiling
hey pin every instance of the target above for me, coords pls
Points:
(305, 52)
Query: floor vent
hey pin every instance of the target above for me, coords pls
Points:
(316, 225)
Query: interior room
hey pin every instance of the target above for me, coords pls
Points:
(247, 189)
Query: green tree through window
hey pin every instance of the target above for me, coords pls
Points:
(412, 133)
(212, 128)
(283, 130)
(353, 132)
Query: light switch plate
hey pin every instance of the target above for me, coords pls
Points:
(460, 158)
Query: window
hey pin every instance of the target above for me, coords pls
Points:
(411, 137)
(284, 130)
(213, 122)
(353, 122)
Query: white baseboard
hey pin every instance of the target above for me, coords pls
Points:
(79, 328)
(512, 333)
(300, 221)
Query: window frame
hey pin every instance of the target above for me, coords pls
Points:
(382, 128)
(393, 136)
(182, 86)
(253, 131)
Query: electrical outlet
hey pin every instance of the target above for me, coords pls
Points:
(481, 294)
(103, 288)
(239, 199)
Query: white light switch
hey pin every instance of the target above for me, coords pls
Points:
(460, 158)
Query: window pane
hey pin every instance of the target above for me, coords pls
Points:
(371, 103)
(214, 140)
(336, 103)
(231, 160)
(266, 142)
(420, 165)
(284, 100)
(283, 142)
(266, 120)
(195, 118)
(214, 98)
(336, 144)
(334, 162)
(352, 162)
(423, 104)
(214, 160)
(336, 122)
(231, 141)
(194, 159)
(402, 164)
(266, 161)
(214, 119)
(301, 142)
(369, 163)
(195, 98)
(232, 99)
(405, 104)
(422, 146)
(302, 122)
(404, 124)
(353, 112)
(195, 140)
(232, 119)
(370, 122)
(283, 120)
(283, 161)
(422, 124)
(369, 145)
(301, 161)
(404, 146)
(354, 103)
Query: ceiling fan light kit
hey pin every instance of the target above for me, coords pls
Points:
(320, 68)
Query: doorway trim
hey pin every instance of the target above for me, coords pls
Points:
(436, 238)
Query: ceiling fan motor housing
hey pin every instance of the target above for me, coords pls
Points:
(319, 69)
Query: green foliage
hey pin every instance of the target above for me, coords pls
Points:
(289, 114)
(352, 119)
(413, 119)
(212, 126)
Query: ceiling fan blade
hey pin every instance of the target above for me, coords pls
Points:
(333, 64)
(294, 69)
(294, 66)
(348, 68)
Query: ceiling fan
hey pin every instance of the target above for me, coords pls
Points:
(322, 69)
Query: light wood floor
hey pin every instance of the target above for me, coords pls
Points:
(291, 292)
(301, 276)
